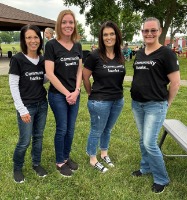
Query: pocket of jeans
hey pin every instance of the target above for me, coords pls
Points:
(90, 105)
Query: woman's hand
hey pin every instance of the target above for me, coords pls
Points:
(72, 97)
(26, 118)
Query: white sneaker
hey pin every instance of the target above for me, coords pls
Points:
(108, 161)
(100, 167)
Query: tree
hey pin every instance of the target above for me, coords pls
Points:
(10, 36)
(81, 31)
(101, 11)
(98, 14)
(16, 36)
(6, 37)
(132, 27)
(165, 10)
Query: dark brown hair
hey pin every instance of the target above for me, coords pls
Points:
(117, 46)
(23, 45)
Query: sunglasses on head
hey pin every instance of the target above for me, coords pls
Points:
(147, 31)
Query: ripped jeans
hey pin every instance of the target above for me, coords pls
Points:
(103, 115)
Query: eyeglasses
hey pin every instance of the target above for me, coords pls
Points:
(32, 38)
(152, 31)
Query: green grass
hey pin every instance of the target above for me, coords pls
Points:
(87, 183)
(8, 47)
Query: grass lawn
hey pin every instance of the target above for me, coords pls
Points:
(8, 47)
(87, 183)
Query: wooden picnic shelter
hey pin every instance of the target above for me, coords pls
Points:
(12, 19)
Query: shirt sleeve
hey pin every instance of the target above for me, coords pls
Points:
(14, 88)
(90, 61)
(14, 66)
(80, 49)
(49, 51)
(171, 63)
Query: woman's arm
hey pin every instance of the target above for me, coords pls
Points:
(79, 75)
(49, 68)
(14, 88)
(45, 79)
(86, 80)
(72, 98)
(174, 85)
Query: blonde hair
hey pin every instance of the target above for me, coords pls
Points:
(50, 30)
(153, 19)
(58, 31)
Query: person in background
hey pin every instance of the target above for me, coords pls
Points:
(155, 66)
(93, 47)
(135, 50)
(63, 64)
(179, 50)
(26, 77)
(127, 52)
(105, 95)
(174, 49)
(49, 33)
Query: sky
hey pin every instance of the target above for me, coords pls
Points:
(46, 8)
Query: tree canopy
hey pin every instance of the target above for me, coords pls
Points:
(129, 14)
(81, 31)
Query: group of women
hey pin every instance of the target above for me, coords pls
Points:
(155, 66)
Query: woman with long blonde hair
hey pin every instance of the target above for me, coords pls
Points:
(63, 64)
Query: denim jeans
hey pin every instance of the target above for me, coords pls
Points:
(149, 117)
(34, 129)
(65, 117)
(103, 115)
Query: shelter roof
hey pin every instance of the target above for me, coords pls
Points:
(12, 19)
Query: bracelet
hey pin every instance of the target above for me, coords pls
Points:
(78, 89)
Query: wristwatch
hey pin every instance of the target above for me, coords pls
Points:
(78, 89)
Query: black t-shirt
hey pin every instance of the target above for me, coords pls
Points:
(150, 74)
(31, 78)
(65, 63)
(108, 77)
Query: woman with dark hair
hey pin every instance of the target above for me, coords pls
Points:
(105, 95)
(26, 78)
(63, 64)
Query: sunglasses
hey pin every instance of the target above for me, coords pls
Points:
(152, 31)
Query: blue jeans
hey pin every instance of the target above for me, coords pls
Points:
(149, 117)
(103, 115)
(34, 129)
(65, 117)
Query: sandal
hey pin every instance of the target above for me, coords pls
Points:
(100, 167)
(108, 161)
